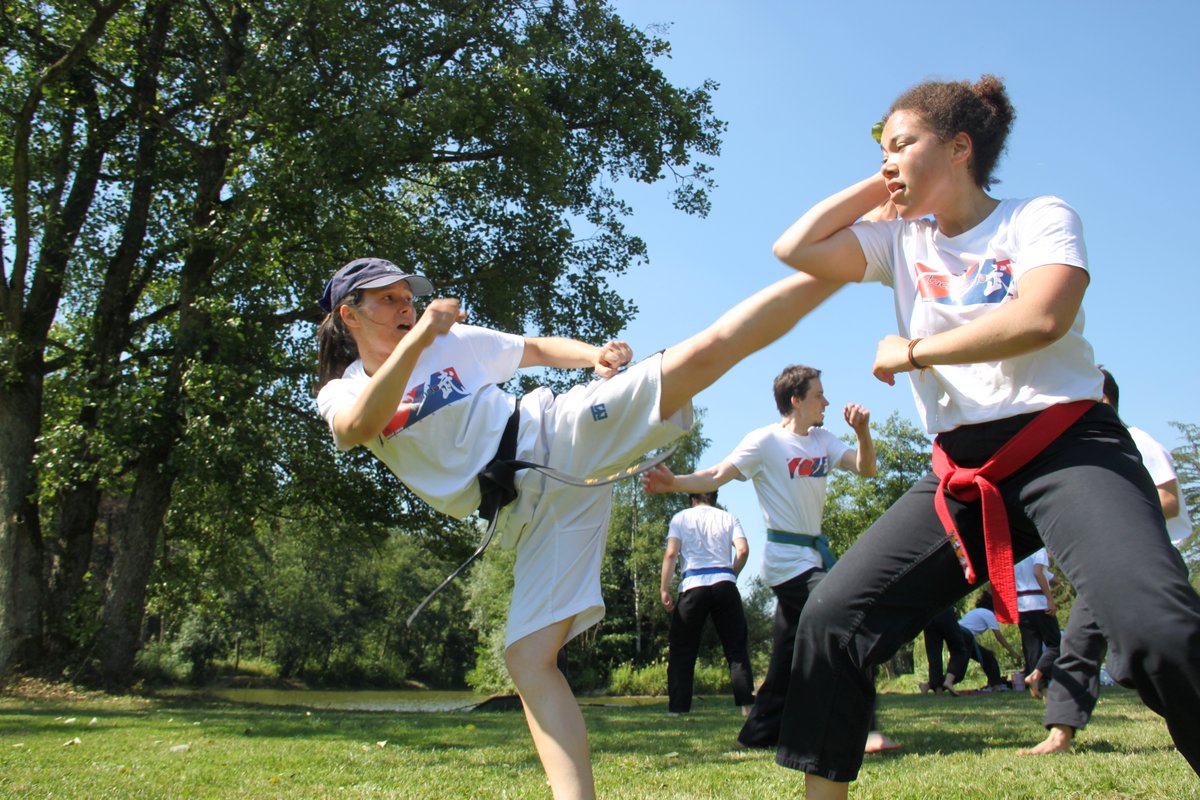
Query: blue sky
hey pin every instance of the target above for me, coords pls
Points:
(1107, 119)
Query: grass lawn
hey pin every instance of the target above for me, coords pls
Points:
(92, 746)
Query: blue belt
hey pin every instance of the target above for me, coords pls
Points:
(818, 543)
(688, 573)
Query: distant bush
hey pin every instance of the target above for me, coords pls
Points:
(651, 680)
(159, 664)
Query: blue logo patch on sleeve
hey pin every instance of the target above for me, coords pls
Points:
(599, 412)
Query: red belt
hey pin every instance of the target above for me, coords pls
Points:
(969, 485)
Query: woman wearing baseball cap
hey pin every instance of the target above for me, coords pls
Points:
(421, 391)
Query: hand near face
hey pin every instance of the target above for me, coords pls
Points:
(883, 212)
(439, 316)
(612, 357)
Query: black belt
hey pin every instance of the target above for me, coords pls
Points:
(497, 487)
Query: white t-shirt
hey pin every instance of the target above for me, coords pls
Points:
(705, 535)
(979, 620)
(448, 425)
(1161, 467)
(789, 472)
(1027, 582)
(942, 282)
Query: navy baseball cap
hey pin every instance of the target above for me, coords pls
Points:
(370, 273)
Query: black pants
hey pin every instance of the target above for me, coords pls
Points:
(972, 650)
(723, 603)
(943, 630)
(761, 728)
(1075, 674)
(1040, 640)
(1096, 509)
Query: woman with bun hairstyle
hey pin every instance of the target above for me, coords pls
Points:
(988, 297)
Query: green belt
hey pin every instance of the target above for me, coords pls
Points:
(818, 543)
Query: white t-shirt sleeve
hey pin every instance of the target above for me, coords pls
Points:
(1049, 232)
(834, 446)
(878, 241)
(673, 530)
(1155, 457)
(334, 396)
(499, 354)
(735, 526)
(747, 456)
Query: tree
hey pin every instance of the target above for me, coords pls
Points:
(1187, 466)
(180, 176)
(852, 503)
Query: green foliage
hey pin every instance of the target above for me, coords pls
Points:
(159, 664)
(1187, 467)
(178, 181)
(712, 677)
(852, 504)
(489, 590)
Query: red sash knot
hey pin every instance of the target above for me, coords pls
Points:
(969, 485)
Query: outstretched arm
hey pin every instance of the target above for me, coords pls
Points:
(661, 480)
(377, 404)
(555, 351)
(1004, 643)
(820, 242)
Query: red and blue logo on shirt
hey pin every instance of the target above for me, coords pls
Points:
(989, 281)
(444, 388)
(808, 467)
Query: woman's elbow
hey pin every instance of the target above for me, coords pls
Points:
(789, 253)
(1047, 328)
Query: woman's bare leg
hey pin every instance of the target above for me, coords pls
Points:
(751, 325)
(552, 712)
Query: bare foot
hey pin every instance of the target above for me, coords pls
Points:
(878, 742)
(924, 687)
(1033, 682)
(1057, 741)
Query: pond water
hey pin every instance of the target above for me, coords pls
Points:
(386, 699)
(354, 700)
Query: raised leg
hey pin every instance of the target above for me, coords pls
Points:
(697, 362)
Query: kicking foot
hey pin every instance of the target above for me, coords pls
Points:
(1058, 741)
(878, 742)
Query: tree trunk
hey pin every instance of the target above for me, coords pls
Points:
(133, 539)
(116, 300)
(21, 592)
(69, 563)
